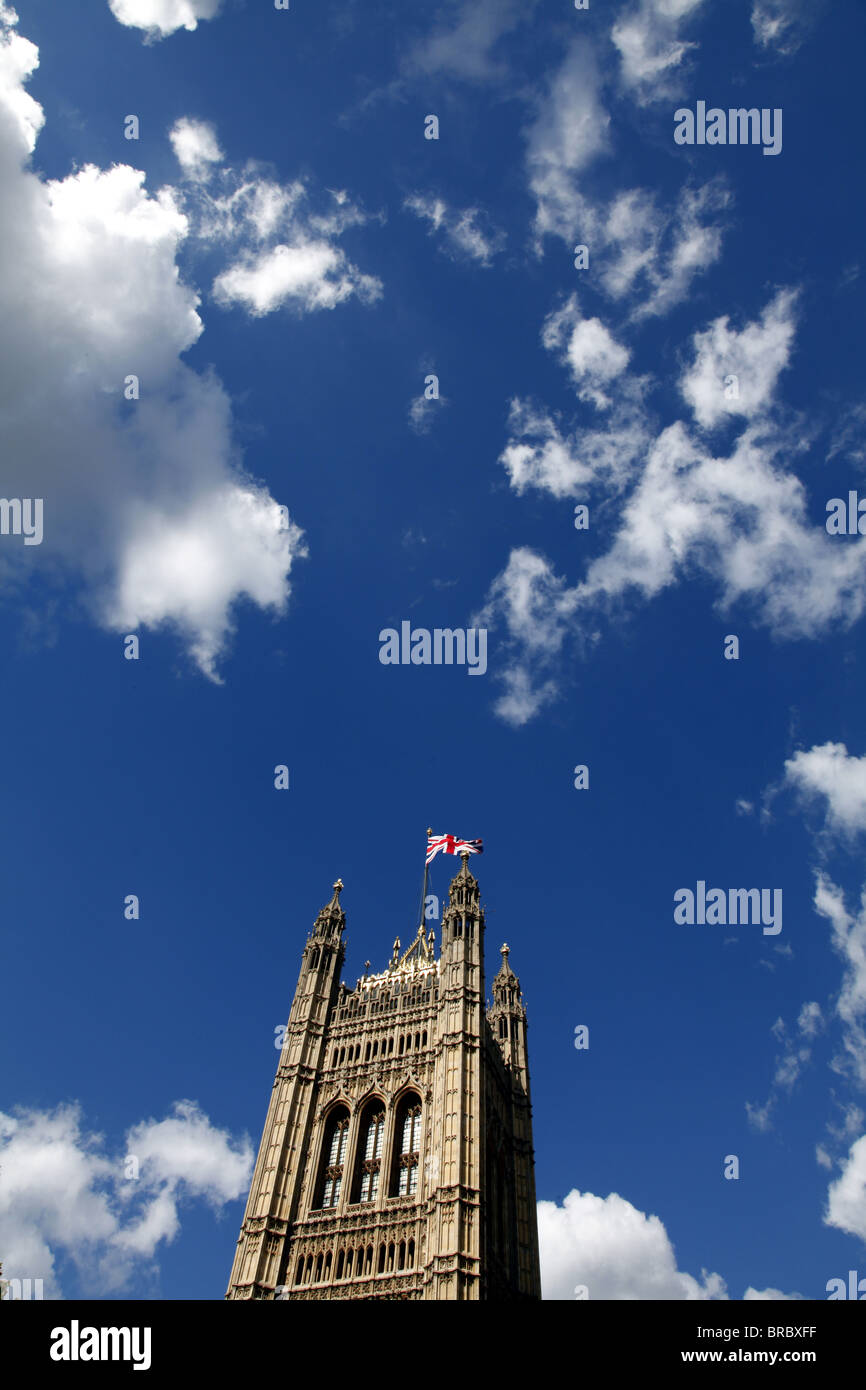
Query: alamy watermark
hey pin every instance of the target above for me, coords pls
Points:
(855, 1288)
(729, 907)
(21, 1290)
(22, 516)
(736, 126)
(846, 518)
(444, 646)
(77, 1343)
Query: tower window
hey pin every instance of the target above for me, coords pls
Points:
(333, 1158)
(370, 1154)
(406, 1159)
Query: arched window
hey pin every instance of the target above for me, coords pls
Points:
(333, 1157)
(411, 1253)
(341, 1259)
(370, 1153)
(503, 1028)
(407, 1148)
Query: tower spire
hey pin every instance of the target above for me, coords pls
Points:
(332, 919)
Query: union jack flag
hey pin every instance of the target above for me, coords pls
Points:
(449, 844)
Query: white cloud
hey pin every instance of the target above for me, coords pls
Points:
(795, 1055)
(589, 349)
(195, 562)
(754, 357)
(849, 434)
(282, 252)
(569, 132)
(615, 1251)
(91, 293)
(846, 1197)
(829, 774)
(534, 605)
(779, 24)
(742, 520)
(22, 117)
(768, 1296)
(251, 208)
(607, 456)
(638, 249)
(195, 147)
(654, 254)
(462, 43)
(159, 18)
(810, 1020)
(65, 1199)
(310, 274)
(848, 935)
(147, 509)
(538, 456)
(463, 236)
(650, 48)
(423, 410)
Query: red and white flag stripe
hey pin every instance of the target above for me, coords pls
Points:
(449, 844)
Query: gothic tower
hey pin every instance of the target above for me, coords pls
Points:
(396, 1160)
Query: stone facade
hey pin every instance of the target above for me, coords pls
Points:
(396, 1160)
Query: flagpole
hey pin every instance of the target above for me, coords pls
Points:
(424, 889)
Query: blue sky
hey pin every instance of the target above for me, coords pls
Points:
(290, 264)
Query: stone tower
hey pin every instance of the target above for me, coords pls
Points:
(396, 1160)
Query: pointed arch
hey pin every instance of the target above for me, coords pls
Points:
(407, 1144)
(335, 1140)
(368, 1160)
